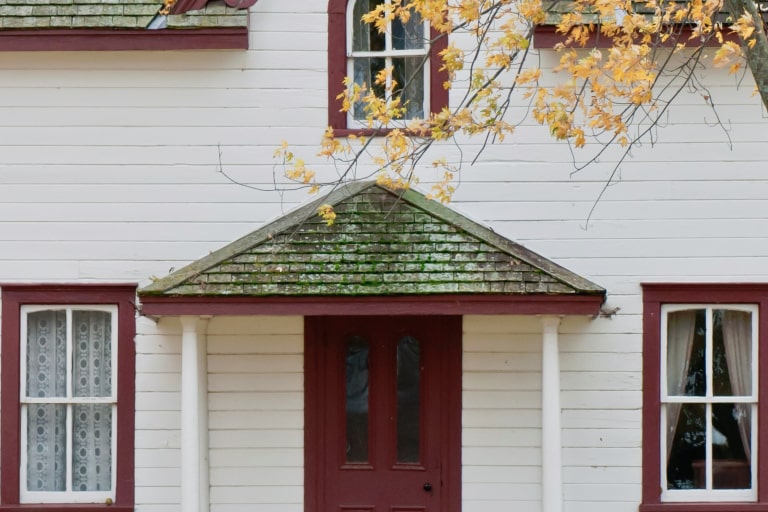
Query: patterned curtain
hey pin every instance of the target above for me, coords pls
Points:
(92, 423)
(91, 456)
(46, 378)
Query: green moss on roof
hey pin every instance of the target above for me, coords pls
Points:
(382, 243)
(117, 14)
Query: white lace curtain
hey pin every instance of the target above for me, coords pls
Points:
(91, 457)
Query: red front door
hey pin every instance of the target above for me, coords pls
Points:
(383, 413)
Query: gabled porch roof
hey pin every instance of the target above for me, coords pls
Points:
(388, 252)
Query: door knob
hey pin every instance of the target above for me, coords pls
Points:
(428, 487)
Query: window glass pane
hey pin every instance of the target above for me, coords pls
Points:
(357, 399)
(92, 364)
(365, 36)
(732, 347)
(92, 447)
(408, 373)
(365, 70)
(409, 75)
(731, 440)
(686, 446)
(686, 350)
(46, 447)
(408, 36)
(46, 354)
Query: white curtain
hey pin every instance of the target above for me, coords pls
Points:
(737, 338)
(92, 424)
(46, 377)
(91, 456)
(681, 327)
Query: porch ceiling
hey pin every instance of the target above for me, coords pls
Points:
(383, 244)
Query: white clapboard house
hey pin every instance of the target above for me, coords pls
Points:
(180, 336)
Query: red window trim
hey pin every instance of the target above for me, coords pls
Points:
(654, 296)
(15, 296)
(337, 70)
(228, 38)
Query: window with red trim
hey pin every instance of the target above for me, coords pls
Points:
(357, 50)
(67, 407)
(704, 427)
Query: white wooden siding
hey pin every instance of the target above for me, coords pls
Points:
(109, 172)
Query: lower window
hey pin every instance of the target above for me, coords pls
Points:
(68, 351)
(701, 412)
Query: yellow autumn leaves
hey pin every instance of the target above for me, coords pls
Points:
(610, 58)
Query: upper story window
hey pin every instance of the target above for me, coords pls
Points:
(703, 445)
(402, 48)
(359, 51)
(68, 397)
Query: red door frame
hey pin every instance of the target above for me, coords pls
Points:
(316, 392)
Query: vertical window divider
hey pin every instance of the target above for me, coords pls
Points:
(70, 392)
(708, 371)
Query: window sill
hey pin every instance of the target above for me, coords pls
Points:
(704, 507)
(228, 38)
(367, 132)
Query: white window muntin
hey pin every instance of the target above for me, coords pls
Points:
(68, 496)
(388, 54)
(708, 494)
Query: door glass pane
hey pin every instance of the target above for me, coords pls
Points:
(357, 399)
(47, 354)
(732, 346)
(46, 447)
(408, 373)
(731, 440)
(686, 446)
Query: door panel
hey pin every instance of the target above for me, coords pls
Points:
(383, 413)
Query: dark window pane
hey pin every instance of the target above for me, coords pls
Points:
(408, 373)
(686, 455)
(732, 358)
(409, 75)
(365, 36)
(357, 400)
(686, 353)
(365, 71)
(731, 440)
(408, 36)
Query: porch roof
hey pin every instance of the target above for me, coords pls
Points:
(384, 244)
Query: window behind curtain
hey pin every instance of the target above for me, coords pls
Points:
(402, 47)
(68, 405)
(709, 402)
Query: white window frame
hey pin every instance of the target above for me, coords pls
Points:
(67, 496)
(388, 54)
(708, 494)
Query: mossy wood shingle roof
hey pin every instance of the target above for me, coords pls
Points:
(382, 243)
(113, 14)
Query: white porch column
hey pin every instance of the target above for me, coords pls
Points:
(202, 379)
(551, 444)
(193, 417)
